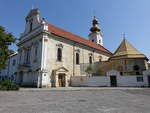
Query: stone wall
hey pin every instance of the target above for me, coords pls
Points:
(122, 81)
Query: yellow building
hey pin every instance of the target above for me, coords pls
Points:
(127, 60)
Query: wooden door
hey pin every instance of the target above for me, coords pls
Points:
(61, 80)
(113, 81)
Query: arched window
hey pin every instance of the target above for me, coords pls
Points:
(59, 54)
(77, 58)
(90, 59)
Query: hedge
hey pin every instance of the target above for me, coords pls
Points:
(8, 85)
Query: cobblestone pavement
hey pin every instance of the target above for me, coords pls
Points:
(76, 100)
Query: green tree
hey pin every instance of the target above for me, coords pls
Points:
(6, 39)
(99, 72)
(89, 70)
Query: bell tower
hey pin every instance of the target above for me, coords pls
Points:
(95, 35)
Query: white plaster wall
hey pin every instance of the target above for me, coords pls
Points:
(89, 81)
(129, 80)
(146, 73)
(45, 80)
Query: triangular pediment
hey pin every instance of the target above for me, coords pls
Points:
(61, 69)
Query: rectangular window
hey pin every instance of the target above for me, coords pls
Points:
(27, 56)
(36, 50)
(14, 62)
(139, 79)
(20, 57)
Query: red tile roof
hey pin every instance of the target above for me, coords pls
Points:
(62, 33)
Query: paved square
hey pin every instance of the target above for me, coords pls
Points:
(80, 100)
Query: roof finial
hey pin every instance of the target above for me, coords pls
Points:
(124, 36)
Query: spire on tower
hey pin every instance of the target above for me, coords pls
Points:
(95, 27)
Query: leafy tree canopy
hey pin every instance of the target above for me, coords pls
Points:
(6, 39)
(89, 70)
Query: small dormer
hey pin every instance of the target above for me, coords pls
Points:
(32, 20)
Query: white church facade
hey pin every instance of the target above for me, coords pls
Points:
(49, 56)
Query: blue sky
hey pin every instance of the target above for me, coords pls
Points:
(115, 17)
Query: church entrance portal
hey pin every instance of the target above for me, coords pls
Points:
(61, 80)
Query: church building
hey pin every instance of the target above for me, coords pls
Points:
(49, 56)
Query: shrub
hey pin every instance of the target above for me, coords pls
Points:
(89, 70)
(8, 85)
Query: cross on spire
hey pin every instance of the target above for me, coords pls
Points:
(124, 36)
